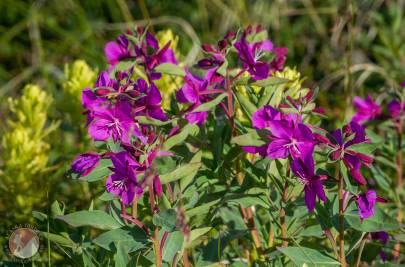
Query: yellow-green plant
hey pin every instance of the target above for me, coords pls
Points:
(25, 152)
(168, 84)
(78, 76)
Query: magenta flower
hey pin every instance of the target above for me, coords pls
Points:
(396, 108)
(263, 116)
(195, 92)
(104, 81)
(114, 121)
(151, 55)
(250, 55)
(150, 104)
(118, 50)
(123, 182)
(290, 138)
(341, 149)
(90, 102)
(85, 163)
(313, 188)
(367, 109)
(366, 203)
(277, 64)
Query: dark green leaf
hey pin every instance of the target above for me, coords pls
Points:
(166, 219)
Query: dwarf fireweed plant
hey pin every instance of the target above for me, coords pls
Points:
(237, 170)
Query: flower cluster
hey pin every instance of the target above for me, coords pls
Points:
(112, 107)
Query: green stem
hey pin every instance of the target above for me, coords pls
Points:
(363, 242)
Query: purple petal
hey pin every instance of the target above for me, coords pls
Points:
(98, 130)
(310, 198)
(263, 116)
(112, 52)
(277, 149)
(281, 129)
(154, 97)
(85, 163)
(394, 108)
(157, 186)
(317, 184)
(197, 117)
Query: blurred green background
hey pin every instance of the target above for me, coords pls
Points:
(42, 129)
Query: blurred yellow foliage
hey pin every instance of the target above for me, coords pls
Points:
(78, 76)
(168, 85)
(25, 150)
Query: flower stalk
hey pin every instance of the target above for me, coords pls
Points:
(342, 257)
(283, 222)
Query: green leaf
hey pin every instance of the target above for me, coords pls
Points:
(189, 129)
(95, 218)
(202, 209)
(195, 235)
(271, 81)
(166, 219)
(171, 69)
(308, 256)
(100, 172)
(222, 69)
(186, 180)
(60, 240)
(56, 209)
(121, 66)
(106, 196)
(151, 121)
(365, 148)
(252, 138)
(211, 104)
(180, 172)
(345, 173)
(173, 244)
(133, 238)
(121, 257)
(378, 222)
(245, 103)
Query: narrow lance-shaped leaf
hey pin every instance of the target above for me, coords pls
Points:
(245, 103)
(211, 104)
(271, 81)
(307, 256)
(171, 69)
(189, 129)
(252, 138)
(95, 218)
